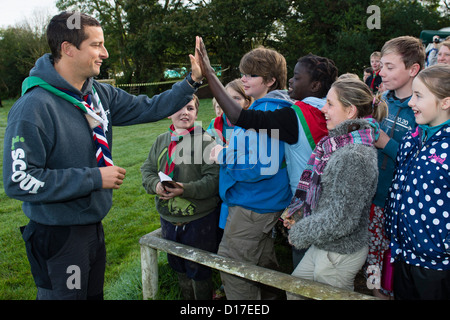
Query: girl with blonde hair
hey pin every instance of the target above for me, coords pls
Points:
(221, 127)
(330, 210)
(417, 208)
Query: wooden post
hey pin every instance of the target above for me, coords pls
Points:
(300, 288)
(149, 266)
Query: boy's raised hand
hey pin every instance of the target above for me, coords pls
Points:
(197, 74)
(231, 108)
(202, 56)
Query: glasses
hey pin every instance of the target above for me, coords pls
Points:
(248, 76)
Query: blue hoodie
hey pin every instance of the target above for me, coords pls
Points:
(49, 159)
(399, 121)
(253, 173)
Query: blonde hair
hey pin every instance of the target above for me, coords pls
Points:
(348, 75)
(445, 43)
(375, 54)
(266, 63)
(238, 86)
(354, 92)
(437, 79)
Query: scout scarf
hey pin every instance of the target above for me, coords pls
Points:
(309, 187)
(174, 139)
(313, 122)
(375, 74)
(103, 153)
(221, 124)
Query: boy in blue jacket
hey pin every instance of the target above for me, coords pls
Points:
(401, 60)
(57, 155)
(254, 182)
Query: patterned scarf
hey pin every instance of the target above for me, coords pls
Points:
(89, 101)
(309, 187)
(174, 139)
(220, 126)
(103, 153)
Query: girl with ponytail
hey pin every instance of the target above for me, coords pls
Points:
(332, 202)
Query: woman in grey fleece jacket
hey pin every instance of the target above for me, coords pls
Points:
(335, 193)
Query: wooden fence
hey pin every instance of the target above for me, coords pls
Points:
(306, 289)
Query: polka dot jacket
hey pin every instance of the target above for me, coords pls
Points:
(418, 204)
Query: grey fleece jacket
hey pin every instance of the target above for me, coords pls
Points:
(49, 159)
(339, 223)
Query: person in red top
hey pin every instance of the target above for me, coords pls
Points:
(374, 80)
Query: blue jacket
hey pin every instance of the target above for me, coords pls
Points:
(49, 159)
(418, 207)
(253, 173)
(398, 122)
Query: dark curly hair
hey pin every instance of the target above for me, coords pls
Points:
(320, 69)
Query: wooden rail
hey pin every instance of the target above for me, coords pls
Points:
(306, 289)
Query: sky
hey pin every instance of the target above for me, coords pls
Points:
(13, 12)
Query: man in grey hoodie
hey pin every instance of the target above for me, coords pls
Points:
(57, 155)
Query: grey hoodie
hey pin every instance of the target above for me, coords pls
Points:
(49, 159)
(339, 223)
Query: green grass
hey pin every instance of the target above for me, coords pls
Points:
(133, 215)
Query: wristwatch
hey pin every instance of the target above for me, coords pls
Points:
(191, 81)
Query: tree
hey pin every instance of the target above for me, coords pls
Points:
(338, 29)
(150, 33)
(20, 47)
(140, 35)
(235, 27)
(143, 36)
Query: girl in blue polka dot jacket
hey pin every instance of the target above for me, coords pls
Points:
(418, 204)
